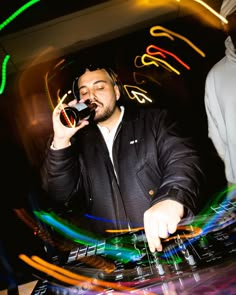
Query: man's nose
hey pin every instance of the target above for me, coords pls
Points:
(92, 96)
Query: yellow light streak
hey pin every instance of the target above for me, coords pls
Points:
(154, 60)
(156, 34)
(60, 100)
(136, 94)
(223, 19)
(138, 57)
(46, 80)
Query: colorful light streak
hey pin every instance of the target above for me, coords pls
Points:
(210, 222)
(220, 200)
(149, 60)
(154, 33)
(139, 95)
(2, 26)
(150, 51)
(71, 122)
(74, 279)
(47, 79)
(65, 228)
(95, 261)
(224, 20)
(138, 57)
(194, 232)
(38, 229)
(203, 224)
(72, 232)
(16, 13)
(170, 255)
(103, 219)
(4, 75)
(221, 215)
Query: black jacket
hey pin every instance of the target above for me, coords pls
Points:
(153, 161)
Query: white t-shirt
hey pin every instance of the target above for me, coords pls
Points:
(110, 134)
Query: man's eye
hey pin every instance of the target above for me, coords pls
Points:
(100, 87)
(83, 94)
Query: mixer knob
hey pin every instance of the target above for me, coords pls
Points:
(158, 265)
(190, 259)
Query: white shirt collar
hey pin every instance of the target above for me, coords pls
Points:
(109, 135)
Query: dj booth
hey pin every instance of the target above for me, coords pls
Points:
(198, 259)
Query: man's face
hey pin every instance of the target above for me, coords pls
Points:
(98, 87)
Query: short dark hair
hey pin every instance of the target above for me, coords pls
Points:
(93, 67)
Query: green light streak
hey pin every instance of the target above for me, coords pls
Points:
(207, 212)
(16, 13)
(4, 70)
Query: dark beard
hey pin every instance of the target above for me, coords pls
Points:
(108, 113)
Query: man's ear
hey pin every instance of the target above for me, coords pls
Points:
(117, 91)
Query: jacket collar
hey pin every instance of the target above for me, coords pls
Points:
(130, 114)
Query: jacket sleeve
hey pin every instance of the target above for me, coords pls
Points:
(183, 178)
(60, 173)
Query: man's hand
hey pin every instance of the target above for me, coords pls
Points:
(63, 134)
(161, 220)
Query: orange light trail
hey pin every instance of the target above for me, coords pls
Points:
(71, 278)
(195, 231)
(56, 271)
(46, 79)
(156, 34)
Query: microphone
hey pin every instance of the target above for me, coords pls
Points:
(72, 116)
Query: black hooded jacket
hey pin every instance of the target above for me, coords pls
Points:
(152, 160)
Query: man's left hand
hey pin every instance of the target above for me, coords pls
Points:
(161, 220)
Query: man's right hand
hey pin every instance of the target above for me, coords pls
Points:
(63, 134)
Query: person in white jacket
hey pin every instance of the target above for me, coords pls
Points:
(220, 97)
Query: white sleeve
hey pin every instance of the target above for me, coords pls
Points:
(214, 116)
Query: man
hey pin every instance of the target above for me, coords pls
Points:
(220, 97)
(128, 167)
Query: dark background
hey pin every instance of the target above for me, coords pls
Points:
(26, 119)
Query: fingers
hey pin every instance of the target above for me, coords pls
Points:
(73, 102)
(154, 235)
(163, 231)
(160, 221)
(57, 110)
(82, 124)
(172, 227)
(154, 242)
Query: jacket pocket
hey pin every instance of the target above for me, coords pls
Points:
(149, 181)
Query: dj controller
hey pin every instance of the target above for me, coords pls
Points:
(198, 259)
